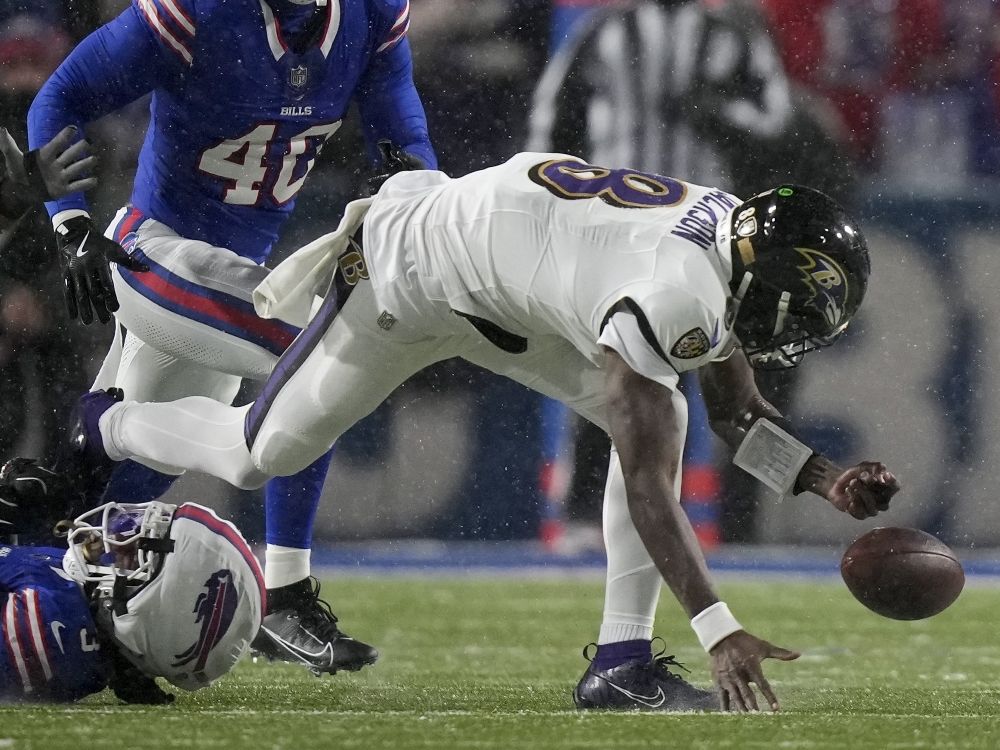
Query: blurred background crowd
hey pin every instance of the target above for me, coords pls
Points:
(891, 106)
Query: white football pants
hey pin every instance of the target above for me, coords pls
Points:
(189, 324)
(341, 368)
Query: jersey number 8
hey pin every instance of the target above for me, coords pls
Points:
(624, 188)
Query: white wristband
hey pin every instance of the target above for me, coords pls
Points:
(713, 624)
(65, 215)
(772, 455)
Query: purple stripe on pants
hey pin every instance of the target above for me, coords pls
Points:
(295, 355)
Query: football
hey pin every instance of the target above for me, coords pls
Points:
(905, 574)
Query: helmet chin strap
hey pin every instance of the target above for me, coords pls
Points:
(741, 292)
(779, 321)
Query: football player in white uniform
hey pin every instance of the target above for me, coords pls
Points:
(596, 287)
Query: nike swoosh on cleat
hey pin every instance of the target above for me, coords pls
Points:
(301, 653)
(647, 700)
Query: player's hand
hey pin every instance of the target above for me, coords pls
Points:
(86, 257)
(864, 490)
(62, 166)
(131, 685)
(137, 688)
(392, 160)
(736, 666)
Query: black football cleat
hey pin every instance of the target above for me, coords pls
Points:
(301, 628)
(86, 463)
(641, 685)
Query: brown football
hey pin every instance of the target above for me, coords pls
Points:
(905, 574)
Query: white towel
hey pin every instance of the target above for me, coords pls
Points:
(289, 291)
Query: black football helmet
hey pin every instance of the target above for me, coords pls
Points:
(800, 271)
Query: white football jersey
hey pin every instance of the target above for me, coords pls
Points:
(545, 244)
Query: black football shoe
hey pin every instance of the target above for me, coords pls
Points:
(641, 685)
(85, 462)
(301, 628)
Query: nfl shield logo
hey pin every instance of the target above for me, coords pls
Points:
(298, 76)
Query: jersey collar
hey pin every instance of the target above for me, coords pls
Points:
(276, 41)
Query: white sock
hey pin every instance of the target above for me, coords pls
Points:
(613, 632)
(107, 428)
(191, 433)
(633, 582)
(284, 565)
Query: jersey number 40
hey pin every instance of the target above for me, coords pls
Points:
(254, 167)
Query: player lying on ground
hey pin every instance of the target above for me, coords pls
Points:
(143, 591)
(136, 595)
(245, 94)
(594, 286)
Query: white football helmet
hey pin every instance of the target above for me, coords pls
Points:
(176, 587)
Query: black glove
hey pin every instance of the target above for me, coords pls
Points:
(392, 160)
(86, 256)
(60, 167)
(130, 685)
(33, 498)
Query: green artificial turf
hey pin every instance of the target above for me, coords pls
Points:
(491, 663)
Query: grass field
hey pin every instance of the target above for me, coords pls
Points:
(490, 663)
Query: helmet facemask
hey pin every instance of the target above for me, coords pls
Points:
(117, 548)
(772, 334)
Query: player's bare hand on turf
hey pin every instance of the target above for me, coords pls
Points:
(864, 490)
(86, 257)
(63, 165)
(736, 666)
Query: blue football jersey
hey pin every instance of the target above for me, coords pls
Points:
(50, 647)
(245, 94)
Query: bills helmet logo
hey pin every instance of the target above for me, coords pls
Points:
(215, 609)
(827, 285)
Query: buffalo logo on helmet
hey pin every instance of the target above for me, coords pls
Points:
(215, 609)
(827, 283)
(692, 344)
